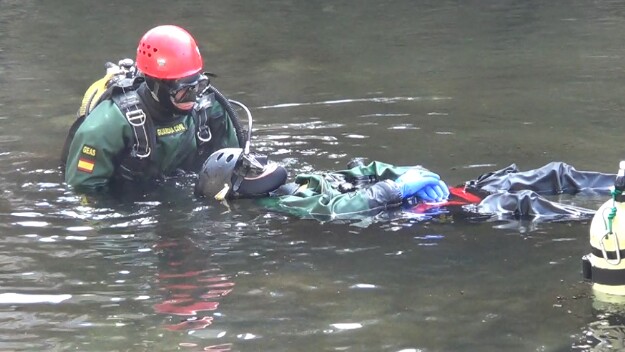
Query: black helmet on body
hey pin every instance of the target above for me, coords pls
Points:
(230, 172)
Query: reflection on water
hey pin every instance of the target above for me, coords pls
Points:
(607, 330)
(240, 282)
(460, 88)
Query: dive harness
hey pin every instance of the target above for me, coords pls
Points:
(120, 84)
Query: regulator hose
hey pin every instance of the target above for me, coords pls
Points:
(234, 117)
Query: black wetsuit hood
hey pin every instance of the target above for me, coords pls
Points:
(162, 110)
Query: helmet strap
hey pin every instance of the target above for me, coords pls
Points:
(154, 92)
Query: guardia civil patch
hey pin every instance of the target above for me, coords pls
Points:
(176, 129)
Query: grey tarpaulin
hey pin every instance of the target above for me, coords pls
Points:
(521, 193)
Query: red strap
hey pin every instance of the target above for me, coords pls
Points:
(462, 193)
(458, 196)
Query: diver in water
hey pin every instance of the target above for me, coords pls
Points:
(146, 121)
(364, 190)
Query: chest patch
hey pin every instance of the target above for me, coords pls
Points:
(165, 131)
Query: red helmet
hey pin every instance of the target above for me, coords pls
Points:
(168, 52)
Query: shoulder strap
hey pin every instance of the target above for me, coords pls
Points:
(200, 117)
(131, 107)
(135, 164)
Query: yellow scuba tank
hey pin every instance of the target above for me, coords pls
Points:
(93, 94)
(605, 265)
(114, 72)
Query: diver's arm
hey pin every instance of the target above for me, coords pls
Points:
(90, 162)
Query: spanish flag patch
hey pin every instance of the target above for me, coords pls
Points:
(85, 165)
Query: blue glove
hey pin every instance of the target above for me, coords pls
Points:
(436, 193)
(425, 184)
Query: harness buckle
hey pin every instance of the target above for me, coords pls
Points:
(201, 132)
(135, 152)
(136, 117)
(605, 254)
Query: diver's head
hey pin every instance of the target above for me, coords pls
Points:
(230, 172)
(171, 62)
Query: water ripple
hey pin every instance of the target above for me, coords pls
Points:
(383, 100)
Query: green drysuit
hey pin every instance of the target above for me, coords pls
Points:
(106, 137)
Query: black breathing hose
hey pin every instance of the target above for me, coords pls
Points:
(234, 117)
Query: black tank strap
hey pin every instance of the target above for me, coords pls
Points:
(605, 276)
(609, 254)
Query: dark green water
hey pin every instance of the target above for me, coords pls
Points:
(462, 87)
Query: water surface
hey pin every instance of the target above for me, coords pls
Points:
(460, 87)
